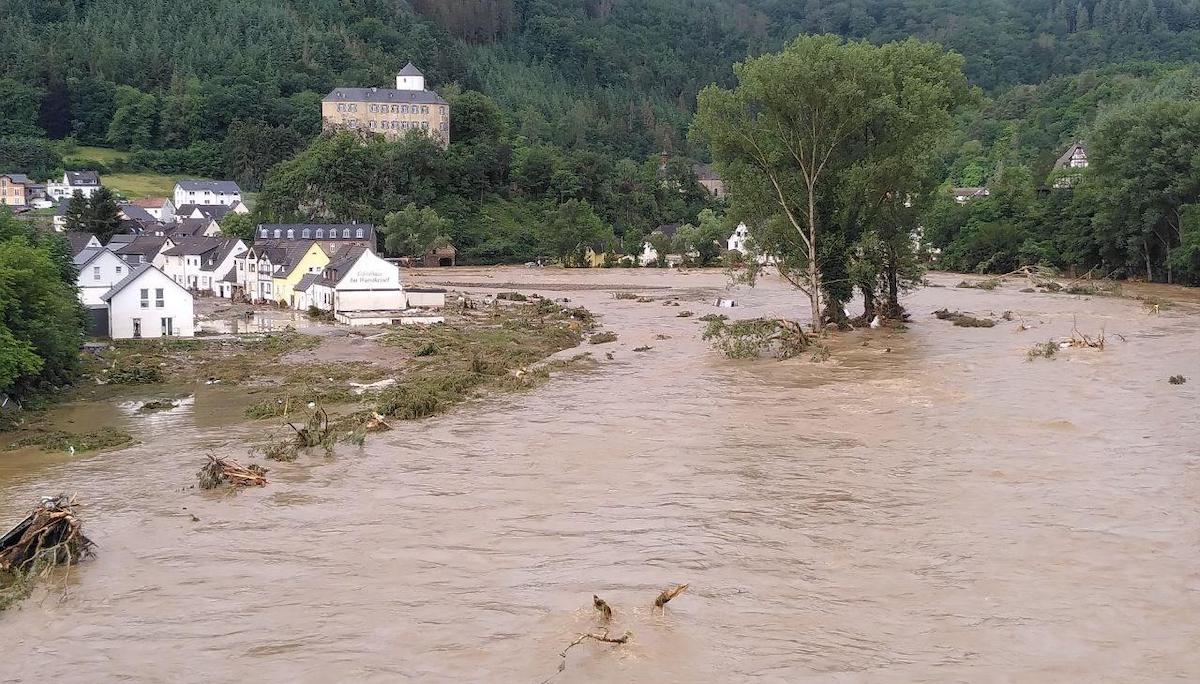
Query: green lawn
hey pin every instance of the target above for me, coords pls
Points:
(139, 185)
(100, 154)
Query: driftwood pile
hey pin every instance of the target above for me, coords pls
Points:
(50, 535)
(218, 472)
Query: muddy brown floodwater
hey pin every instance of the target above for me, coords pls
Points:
(945, 511)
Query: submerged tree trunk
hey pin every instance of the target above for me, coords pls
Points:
(868, 294)
(1146, 251)
(814, 269)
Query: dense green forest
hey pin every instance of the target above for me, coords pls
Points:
(561, 100)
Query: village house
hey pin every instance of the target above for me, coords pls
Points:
(161, 208)
(146, 303)
(99, 268)
(270, 270)
(1068, 166)
(649, 254)
(85, 183)
(737, 241)
(442, 255)
(214, 212)
(141, 249)
(193, 227)
(708, 178)
(79, 241)
(199, 263)
(206, 192)
(15, 189)
(964, 195)
(391, 113)
(132, 212)
(360, 288)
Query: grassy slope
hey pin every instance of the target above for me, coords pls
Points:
(130, 185)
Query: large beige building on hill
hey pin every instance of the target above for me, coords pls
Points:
(392, 113)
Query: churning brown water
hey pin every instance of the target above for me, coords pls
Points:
(947, 511)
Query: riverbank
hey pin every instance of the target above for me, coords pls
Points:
(926, 505)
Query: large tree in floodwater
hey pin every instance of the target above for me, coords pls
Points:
(816, 140)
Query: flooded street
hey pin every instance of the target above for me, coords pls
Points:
(926, 507)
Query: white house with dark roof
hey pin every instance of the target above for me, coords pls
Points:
(206, 192)
(99, 269)
(80, 240)
(649, 253)
(215, 212)
(358, 286)
(85, 183)
(199, 263)
(161, 208)
(147, 303)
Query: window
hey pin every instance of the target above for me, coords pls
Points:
(443, 126)
(373, 108)
(168, 327)
(291, 234)
(118, 270)
(262, 233)
(278, 232)
(424, 109)
(424, 125)
(145, 298)
(341, 107)
(306, 233)
(354, 108)
(395, 109)
(158, 298)
(95, 273)
(137, 327)
(320, 233)
(346, 233)
(443, 108)
(358, 233)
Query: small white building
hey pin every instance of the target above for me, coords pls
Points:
(357, 280)
(146, 303)
(161, 208)
(198, 263)
(224, 193)
(737, 241)
(85, 183)
(99, 269)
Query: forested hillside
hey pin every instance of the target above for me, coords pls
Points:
(578, 96)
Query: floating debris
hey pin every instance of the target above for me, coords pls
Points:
(218, 472)
(668, 594)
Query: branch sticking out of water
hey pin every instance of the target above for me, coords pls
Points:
(602, 637)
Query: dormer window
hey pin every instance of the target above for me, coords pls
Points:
(306, 233)
(263, 232)
(278, 232)
(358, 233)
(291, 234)
(346, 233)
(320, 233)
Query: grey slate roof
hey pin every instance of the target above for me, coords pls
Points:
(216, 257)
(193, 246)
(212, 211)
(1065, 160)
(83, 257)
(190, 227)
(298, 231)
(213, 186)
(136, 213)
(306, 282)
(16, 177)
(387, 95)
(667, 229)
(78, 240)
(339, 266)
(147, 245)
(410, 69)
(83, 178)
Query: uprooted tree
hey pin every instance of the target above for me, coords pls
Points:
(50, 535)
(828, 142)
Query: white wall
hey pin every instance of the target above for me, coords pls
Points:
(372, 284)
(182, 197)
(126, 306)
(98, 277)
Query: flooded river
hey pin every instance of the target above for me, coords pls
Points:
(928, 506)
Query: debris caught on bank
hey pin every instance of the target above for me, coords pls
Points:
(644, 300)
(709, 318)
(643, 348)
(757, 337)
(625, 295)
(963, 320)
(603, 337)
(1176, 379)
(723, 303)
(512, 296)
(988, 284)
(50, 534)
(57, 440)
(360, 388)
(602, 607)
(219, 471)
(684, 314)
(668, 594)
